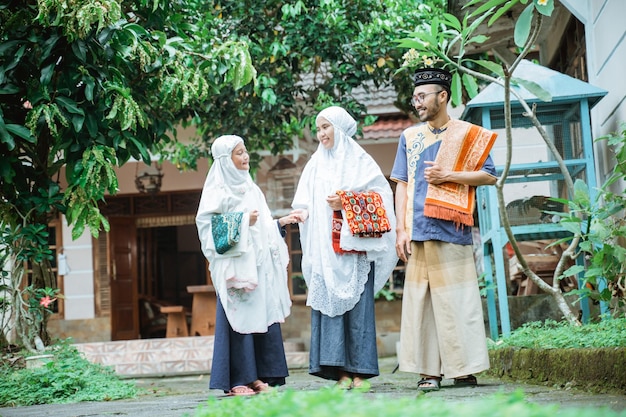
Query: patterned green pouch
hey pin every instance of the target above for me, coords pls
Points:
(226, 229)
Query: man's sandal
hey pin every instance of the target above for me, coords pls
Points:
(466, 381)
(429, 384)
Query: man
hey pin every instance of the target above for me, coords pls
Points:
(438, 165)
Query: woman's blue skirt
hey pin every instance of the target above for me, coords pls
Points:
(239, 359)
(348, 342)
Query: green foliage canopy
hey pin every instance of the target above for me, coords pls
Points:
(307, 54)
(87, 85)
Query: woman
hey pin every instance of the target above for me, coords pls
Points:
(341, 286)
(250, 278)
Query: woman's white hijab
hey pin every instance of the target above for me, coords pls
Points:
(335, 282)
(251, 278)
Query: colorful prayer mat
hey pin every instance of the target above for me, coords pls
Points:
(365, 213)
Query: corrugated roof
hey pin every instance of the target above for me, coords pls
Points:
(387, 128)
(563, 88)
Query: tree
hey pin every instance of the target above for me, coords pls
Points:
(308, 54)
(446, 40)
(87, 85)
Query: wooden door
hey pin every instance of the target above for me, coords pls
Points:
(123, 278)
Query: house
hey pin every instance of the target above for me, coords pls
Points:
(152, 251)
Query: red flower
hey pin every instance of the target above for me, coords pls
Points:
(46, 301)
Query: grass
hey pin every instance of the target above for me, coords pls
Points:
(330, 402)
(561, 335)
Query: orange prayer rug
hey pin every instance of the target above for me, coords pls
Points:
(465, 147)
(365, 213)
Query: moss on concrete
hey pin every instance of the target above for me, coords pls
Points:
(597, 370)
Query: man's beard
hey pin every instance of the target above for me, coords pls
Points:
(429, 113)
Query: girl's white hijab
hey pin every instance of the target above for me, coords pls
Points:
(223, 166)
(251, 278)
(345, 127)
(336, 282)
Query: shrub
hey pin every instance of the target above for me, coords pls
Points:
(68, 378)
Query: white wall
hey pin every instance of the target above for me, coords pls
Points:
(605, 34)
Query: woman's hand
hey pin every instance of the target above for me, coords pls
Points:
(254, 216)
(334, 201)
(300, 214)
(291, 218)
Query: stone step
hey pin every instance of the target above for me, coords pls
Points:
(168, 356)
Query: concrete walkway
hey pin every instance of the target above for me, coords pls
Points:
(180, 396)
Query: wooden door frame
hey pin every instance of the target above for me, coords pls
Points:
(122, 247)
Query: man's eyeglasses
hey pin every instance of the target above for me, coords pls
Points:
(421, 97)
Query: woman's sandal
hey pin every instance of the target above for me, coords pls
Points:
(260, 386)
(466, 381)
(429, 384)
(344, 383)
(240, 390)
(361, 385)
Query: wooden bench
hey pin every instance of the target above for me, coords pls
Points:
(176, 321)
(203, 309)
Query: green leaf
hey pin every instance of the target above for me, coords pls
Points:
(457, 92)
(9, 89)
(137, 30)
(21, 131)
(484, 7)
(77, 122)
(478, 39)
(69, 105)
(469, 82)
(77, 230)
(141, 148)
(490, 65)
(573, 270)
(537, 90)
(15, 58)
(46, 74)
(522, 26)
(80, 50)
(545, 9)
(502, 10)
(476, 23)
(5, 137)
(452, 21)
(573, 227)
(581, 193)
(269, 95)
(593, 272)
(6, 46)
(89, 86)
(410, 43)
(92, 125)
